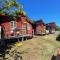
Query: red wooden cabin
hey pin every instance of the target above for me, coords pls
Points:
(51, 27)
(21, 27)
(40, 27)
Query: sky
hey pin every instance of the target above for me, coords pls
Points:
(48, 10)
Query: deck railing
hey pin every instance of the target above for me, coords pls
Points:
(15, 33)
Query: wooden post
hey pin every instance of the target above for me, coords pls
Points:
(18, 39)
(22, 38)
(26, 38)
(33, 32)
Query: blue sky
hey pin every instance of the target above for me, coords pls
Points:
(48, 10)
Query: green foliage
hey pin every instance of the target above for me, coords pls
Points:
(7, 6)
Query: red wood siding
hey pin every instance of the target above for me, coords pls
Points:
(6, 26)
(52, 25)
(21, 24)
(18, 24)
(40, 29)
(29, 29)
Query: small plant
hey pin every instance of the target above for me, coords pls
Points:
(58, 38)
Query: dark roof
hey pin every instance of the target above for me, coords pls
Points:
(39, 22)
(51, 23)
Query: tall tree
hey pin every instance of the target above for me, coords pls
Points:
(10, 8)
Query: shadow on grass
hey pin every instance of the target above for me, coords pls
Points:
(6, 45)
(58, 38)
(3, 50)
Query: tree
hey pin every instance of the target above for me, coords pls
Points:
(10, 8)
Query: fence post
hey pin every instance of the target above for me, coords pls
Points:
(22, 38)
(33, 32)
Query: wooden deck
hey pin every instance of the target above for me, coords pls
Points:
(16, 37)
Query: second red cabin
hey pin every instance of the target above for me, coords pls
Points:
(40, 27)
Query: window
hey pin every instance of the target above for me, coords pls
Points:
(24, 28)
(13, 24)
(28, 26)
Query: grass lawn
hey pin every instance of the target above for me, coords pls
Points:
(38, 48)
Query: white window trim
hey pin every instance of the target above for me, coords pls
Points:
(28, 26)
(13, 26)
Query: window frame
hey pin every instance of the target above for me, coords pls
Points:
(13, 24)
